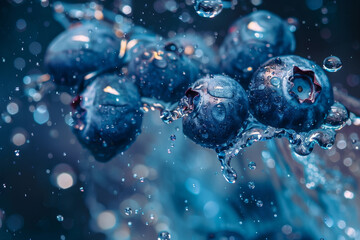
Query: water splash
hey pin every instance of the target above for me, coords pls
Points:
(228, 172)
(168, 112)
(318, 190)
(301, 143)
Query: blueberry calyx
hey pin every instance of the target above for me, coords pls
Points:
(307, 77)
(189, 98)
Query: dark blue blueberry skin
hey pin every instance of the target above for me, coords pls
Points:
(220, 108)
(251, 41)
(84, 48)
(290, 92)
(107, 118)
(162, 71)
(195, 48)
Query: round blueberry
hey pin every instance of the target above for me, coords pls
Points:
(162, 71)
(251, 41)
(107, 118)
(290, 92)
(220, 108)
(196, 49)
(82, 49)
(243, 59)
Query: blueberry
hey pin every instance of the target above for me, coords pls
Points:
(198, 51)
(137, 39)
(241, 60)
(251, 41)
(220, 108)
(162, 71)
(107, 118)
(82, 49)
(290, 92)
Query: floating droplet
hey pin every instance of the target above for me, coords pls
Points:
(164, 236)
(60, 218)
(17, 153)
(332, 64)
(252, 165)
(81, 189)
(128, 211)
(259, 203)
(251, 185)
(173, 137)
(208, 8)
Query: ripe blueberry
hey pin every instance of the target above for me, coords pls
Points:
(220, 108)
(82, 49)
(107, 118)
(198, 51)
(290, 92)
(251, 41)
(162, 71)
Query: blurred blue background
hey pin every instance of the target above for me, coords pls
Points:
(174, 186)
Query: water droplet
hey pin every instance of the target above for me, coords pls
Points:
(332, 64)
(164, 235)
(252, 165)
(60, 218)
(81, 189)
(227, 171)
(128, 211)
(251, 185)
(259, 203)
(17, 153)
(208, 8)
(219, 112)
(275, 81)
(173, 137)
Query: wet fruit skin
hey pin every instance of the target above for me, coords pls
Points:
(251, 41)
(162, 71)
(107, 116)
(290, 92)
(195, 48)
(82, 49)
(220, 109)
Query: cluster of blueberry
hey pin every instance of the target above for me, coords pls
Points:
(112, 68)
